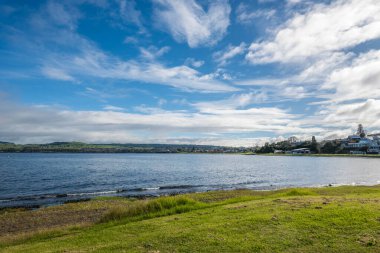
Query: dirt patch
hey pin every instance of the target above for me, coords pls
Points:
(237, 207)
(274, 218)
(25, 221)
(73, 214)
(367, 240)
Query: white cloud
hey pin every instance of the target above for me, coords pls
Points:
(317, 71)
(130, 14)
(219, 73)
(161, 102)
(66, 55)
(92, 62)
(350, 115)
(180, 101)
(266, 1)
(64, 15)
(220, 141)
(223, 56)
(221, 119)
(319, 46)
(280, 90)
(186, 20)
(80, 59)
(319, 32)
(152, 52)
(295, 92)
(130, 40)
(57, 74)
(293, 3)
(113, 108)
(7, 10)
(103, 95)
(236, 101)
(262, 82)
(194, 63)
(246, 16)
(53, 124)
(359, 80)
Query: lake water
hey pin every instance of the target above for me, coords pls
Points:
(44, 179)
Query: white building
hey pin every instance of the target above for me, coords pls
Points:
(362, 144)
(301, 151)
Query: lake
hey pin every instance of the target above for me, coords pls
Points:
(44, 179)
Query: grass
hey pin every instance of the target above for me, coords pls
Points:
(330, 219)
(152, 208)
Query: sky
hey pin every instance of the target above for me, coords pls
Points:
(235, 73)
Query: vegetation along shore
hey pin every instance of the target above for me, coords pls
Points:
(328, 219)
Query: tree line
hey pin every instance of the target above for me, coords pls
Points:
(325, 147)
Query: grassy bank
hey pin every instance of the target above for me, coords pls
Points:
(341, 219)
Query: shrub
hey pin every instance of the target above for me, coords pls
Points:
(299, 192)
(163, 205)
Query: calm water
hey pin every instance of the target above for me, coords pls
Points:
(43, 179)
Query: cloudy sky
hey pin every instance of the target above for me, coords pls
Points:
(207, 72)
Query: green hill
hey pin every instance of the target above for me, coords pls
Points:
(80, 147)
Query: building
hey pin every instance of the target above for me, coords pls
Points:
(300, 151)
(352, 152)
(362, 143)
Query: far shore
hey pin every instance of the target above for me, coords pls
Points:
(320, 155)
(206, 153)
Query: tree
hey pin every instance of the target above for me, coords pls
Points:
(361, 131)
(267, 148)
(314, 145)
(329, 148)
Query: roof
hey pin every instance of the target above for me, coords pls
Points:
(300, 149)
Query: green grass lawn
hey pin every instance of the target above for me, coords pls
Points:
(331, 219)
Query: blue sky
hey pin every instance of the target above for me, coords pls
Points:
(206, 72)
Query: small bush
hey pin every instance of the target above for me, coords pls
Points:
(114, 214)
(170, 202)
(299, 192)
(163, 205)
(152, 207)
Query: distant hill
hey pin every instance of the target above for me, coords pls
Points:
(80, 147)
(4, 142)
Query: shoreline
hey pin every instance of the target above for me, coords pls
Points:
(49, 200)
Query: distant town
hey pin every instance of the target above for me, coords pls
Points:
(359, 143)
